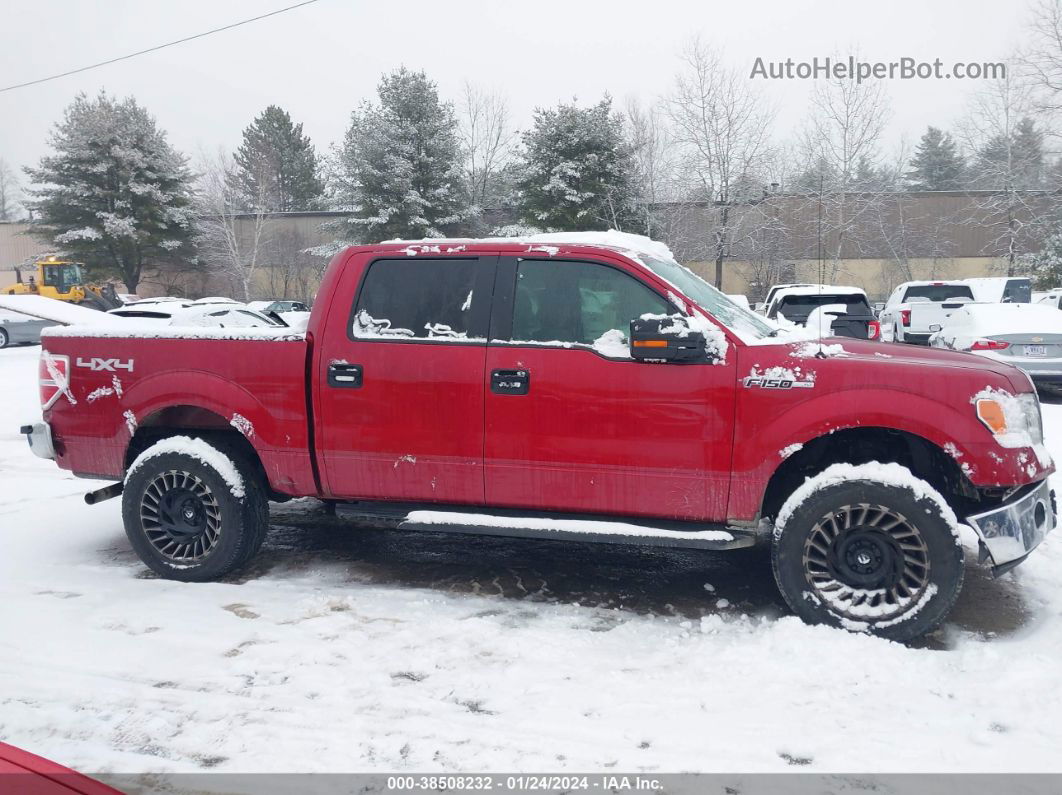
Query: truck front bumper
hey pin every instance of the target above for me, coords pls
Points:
(1014, 529)
(39, 436)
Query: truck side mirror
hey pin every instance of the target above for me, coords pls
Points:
(666, 338)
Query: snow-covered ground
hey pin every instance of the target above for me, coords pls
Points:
(360, 650)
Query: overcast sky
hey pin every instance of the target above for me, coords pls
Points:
(319, 61)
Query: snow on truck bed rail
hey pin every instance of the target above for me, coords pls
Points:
(130, 329)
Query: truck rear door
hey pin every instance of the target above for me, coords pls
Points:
(573, 424)
(400, 382)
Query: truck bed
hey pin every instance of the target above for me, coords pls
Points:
(122, 380)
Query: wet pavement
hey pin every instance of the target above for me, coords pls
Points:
(646, 581)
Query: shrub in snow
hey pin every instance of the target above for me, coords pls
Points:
(115, 194)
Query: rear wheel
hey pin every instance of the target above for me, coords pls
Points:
(192, 520)
(4, 338)
(868, 556)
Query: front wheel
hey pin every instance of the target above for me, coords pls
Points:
(191, 512)
(868, 556)
(4, 338)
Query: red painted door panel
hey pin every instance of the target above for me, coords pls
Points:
(412, 428)
(413, 431)
(602, 436)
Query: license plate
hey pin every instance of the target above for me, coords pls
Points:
(1036, 350)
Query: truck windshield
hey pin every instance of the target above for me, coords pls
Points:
(938, 292)
(711, 300)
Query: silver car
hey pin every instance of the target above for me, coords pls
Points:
(18, 329)
(1028, 336)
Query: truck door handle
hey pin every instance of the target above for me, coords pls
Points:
(510, 382)
(344, 376)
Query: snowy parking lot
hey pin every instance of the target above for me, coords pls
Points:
(353, 649)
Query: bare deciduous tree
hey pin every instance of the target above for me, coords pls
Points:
(487, 140)
(8, 192)
(1041, 59)
(841, 138)
(997, 117)
(653, 154)
(723, 129)
(228, 238)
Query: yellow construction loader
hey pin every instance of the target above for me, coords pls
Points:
(64, 280)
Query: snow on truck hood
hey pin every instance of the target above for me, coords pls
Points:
(852, 350)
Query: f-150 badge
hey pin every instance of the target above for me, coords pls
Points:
(777, 383)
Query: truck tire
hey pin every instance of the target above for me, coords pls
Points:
(186, 520)
(868, 556)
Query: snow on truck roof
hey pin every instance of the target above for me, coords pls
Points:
(625, 242)
(819, 289)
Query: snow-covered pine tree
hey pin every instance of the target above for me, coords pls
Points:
(401, 162)
(577, 170)
(115, 194)
(276, 166)
(1045, 266)
(937, 163)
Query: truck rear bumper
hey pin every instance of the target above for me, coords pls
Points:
(917, 337)
(1013, 530)
(39, 436)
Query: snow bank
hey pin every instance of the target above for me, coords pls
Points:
(199, 450)
(887, 474)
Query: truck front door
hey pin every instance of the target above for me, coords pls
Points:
(574, 424)
(400, 382)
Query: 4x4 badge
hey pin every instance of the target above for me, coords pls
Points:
(97, 364)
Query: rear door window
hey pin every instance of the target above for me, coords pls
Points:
(416, 298)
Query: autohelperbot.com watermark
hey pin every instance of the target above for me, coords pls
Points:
(852, 68)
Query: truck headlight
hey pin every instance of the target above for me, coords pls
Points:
(1013, 419)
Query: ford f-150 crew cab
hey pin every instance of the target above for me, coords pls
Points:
(580, 387)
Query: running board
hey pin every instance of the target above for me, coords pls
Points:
(552, 527)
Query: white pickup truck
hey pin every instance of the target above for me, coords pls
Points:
(914, 308)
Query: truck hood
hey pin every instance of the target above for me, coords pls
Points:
(899, 354)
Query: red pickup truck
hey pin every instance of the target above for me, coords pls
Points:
(579, 387)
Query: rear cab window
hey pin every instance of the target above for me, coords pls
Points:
(938, 293)
(797, 308)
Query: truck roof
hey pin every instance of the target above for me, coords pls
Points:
(819, 289)
(549, 243)
(931, 283)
